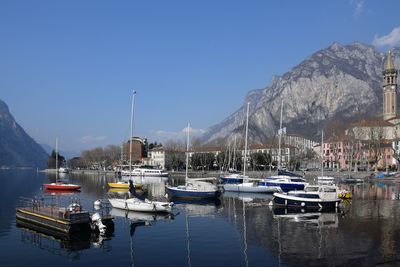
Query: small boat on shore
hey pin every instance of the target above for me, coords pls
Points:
(313, 196)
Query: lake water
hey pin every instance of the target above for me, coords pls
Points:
(237, 230)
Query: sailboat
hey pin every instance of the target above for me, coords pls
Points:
(125, 184)
(285, 180)
(324, 179)
(193, 188)
(138, 203)
(246, 186)
(233, 177)
(60, 185)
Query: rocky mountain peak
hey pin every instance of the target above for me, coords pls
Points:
(17, 148)
(340, 82)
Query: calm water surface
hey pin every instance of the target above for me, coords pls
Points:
(238, 230)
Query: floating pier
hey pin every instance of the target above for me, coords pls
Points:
(67, 220)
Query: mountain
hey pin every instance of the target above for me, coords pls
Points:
(68, 154)
(339, 83)
(17, 148)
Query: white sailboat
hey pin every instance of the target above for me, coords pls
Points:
(324, 179)
(247, 185)
(193, 188)
(138, 203)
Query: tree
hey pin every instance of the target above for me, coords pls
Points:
(51, 161)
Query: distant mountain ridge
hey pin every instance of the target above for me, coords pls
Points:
(17, 148)
(341, 82)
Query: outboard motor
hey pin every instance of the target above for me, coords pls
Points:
(96, 221)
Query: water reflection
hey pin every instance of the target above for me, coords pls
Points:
(236, 230)
(54, 242)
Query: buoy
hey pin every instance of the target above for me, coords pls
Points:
(303, 204)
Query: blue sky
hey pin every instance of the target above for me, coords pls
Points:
(68, 68)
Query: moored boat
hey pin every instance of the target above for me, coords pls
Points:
(141, 171)
(316, 196)
(60, 185)
(325, 179)
(193, 188)
(139, 203)
(286, 183)
(123, 185)
(251, 187)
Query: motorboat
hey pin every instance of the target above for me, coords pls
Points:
(313, 196)
(141, 171)
(325, 179)
(286, 183)
(251, 187)
(232, 178)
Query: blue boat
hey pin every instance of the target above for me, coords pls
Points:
(313, 197)
(233, 178)
(286, 183)
(193, 190)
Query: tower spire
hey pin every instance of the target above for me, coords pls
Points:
(389, 61)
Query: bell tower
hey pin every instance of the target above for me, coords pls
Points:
(389, 89)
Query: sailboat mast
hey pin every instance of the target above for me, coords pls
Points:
(245, 141)
(234, 153)
(56, 159)
(187, 152)
(130, 137)
(280, 137)
(322, 154)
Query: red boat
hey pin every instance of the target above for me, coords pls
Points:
(61, 186)
(61, 192)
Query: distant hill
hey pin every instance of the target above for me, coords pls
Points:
(17, 148)
(68, 154)
(339, 83)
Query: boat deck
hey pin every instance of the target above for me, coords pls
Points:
(58, 218)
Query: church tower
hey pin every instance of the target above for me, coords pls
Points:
(389, 89)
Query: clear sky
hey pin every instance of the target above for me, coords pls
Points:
(68, 68)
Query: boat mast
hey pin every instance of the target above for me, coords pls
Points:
(187, 152)
(56, 159)
(322, 154)
(234, 154)
(245, 141)
(280, 138)
(130, 138)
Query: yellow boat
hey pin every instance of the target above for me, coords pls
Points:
(345, 194)
(123, 185)
(118, 190)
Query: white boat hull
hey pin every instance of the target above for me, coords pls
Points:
(134, 204)
(251, 188)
